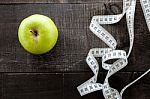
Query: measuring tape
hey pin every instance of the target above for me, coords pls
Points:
(110, 53)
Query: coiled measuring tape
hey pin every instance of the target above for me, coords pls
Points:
(106, 54)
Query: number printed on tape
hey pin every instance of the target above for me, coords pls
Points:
(110, 53)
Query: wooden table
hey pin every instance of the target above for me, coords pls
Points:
(56, 74)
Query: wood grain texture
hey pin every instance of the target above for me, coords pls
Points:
(1, 85)
(55, 1)
(56, 75)
(139, 90)
(58, 1)
(32, 86)
(63, 86)
(75, 38)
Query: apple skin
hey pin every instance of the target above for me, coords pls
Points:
(37, 34)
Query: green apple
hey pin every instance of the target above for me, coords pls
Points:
(37, 34)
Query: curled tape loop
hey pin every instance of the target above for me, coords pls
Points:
(110, 53)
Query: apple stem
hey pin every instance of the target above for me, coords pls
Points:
(34, 32)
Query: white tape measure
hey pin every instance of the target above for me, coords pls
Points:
(111, 53)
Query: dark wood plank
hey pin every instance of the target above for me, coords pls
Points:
(75, 38)
(55, 1)
(140, 90)
(32, 86)
(63, 86)
(72, 18)
(1, 85)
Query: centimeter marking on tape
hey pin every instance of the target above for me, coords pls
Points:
(106, 54)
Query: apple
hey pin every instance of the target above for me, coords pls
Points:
(37, 34)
